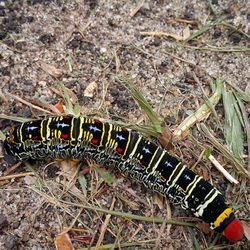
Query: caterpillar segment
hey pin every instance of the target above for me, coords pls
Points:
(69, 137)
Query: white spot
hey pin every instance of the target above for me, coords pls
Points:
(146, 150)
(120, 137)
(94, 128)
(62, 125)
(31, 128)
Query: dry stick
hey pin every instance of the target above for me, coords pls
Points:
(134, 11)
(46, 105)
(104, 226)
(2, 178)
(223, 150)
(222, 170)
(28, 103)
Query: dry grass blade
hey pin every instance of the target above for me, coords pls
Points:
(13, 176)
(234, 28)
(222, 170)
(142, 102)
(129, 215)
(15, 118)
(219, 49)
(70, 108)
(246, 126)
(104, 226)
(223, 150)
(129, 245)
(233, 124)
(28, 103)
(202, 113)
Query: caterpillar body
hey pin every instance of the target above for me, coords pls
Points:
(69, 137)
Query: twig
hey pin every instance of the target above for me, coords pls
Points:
(3, 178)
(104, 226)
(28, 103)
(222, 170)
(223, 150)
(138, 7)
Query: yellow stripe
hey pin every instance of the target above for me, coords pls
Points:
(48, 131)
(103, 132)
(41, 130)
(158, 162)
(224, 215)
(128, 142)
(152, 158)
(135, 147)
(109, 135)
(20, 132)
(72, 128)
(80, 128)
(175, 169)
(200, 208)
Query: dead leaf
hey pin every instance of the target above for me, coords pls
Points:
(165, 138)
(30, 180)
(60, 106)
(246, 227)
(52, 70)
(90, 89)
(186, 33)
(158, 200)
(203, 227)
(63, 242)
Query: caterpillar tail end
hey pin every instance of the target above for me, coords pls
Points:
(234, 231)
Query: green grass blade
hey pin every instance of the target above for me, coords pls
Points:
(15, 118)
(204, 29)
(233, 124)
(142, 102)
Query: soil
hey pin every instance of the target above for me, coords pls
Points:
(80, 42)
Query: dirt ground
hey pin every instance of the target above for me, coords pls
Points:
(84, 43)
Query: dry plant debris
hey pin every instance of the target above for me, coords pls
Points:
(81, 42)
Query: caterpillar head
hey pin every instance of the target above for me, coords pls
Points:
(234, 231)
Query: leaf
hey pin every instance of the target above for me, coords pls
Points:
(106, 176)
(63, 242)
(83, 184)
(207, 153)
(52, 70)
(233, 126)
(90, 89)
(246, 226)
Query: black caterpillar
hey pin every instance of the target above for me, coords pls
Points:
(69, 137)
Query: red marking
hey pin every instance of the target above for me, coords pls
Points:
(234, 231)
(119, 150)
(97, 121)
(95, 141)
(67, 117)
(64, 136)
(37, 137)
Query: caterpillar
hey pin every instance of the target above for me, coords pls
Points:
(69, 137)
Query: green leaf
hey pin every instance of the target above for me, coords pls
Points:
(233, 125)
(106, 176)
(207, 153)
(83, 184)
